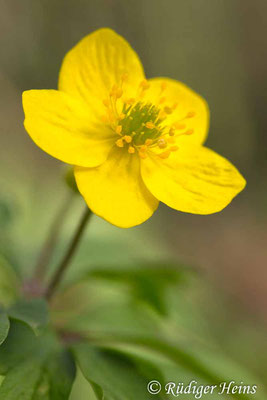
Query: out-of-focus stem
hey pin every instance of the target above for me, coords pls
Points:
(51, 241)
(63, 265)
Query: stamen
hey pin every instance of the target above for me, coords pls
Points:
(127, 138)
(121, 116)
(131, 150)
(168, 110)
(119, 143)
(148, 142)
(118, 129)
(189, 132)
(177, 125)
(130, 101)
(174, 148)
(106, 102)
(190, 114)
(144, 84)
(149, 125)
(172, 131)
(142, 155)
(162, 143)
(165, 154)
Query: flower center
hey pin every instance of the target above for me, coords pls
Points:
(141, 125)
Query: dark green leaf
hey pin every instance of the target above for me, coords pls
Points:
(32, 312)
(8, 283)
(35, 367)
(119, 377)
(4, 326)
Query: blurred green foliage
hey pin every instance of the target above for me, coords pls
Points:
(164, 319)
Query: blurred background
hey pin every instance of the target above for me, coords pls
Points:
(218, 48)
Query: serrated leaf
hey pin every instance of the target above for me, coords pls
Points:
(119, 377)
(32, 312)
(4, 326)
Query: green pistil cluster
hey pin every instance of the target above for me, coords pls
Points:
(135, 120)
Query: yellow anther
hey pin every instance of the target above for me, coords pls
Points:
(162, 99)
(190, 114)
(148, 142)
(118, 129)
(172, 131)
(162, 143)
(130, 101)
(133, 133)
(118, 93)
(150, 125)
(174, 148)
(142, 133)
(143, 147)
(131, 149)
(121, 116)
(113, 90)
(131, 118)
(119, 143)
(144, 84)
(106, 102)
(127, 138)
(142, 155)
(165, 154)
(179, 126)
(168, 110)
(189, 132)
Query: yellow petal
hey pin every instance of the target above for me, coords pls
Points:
(194, 179)
(97, 63)
(65, 128)
(115, 190)
(182, 101)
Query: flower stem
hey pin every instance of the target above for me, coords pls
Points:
(51, 241)
(63, 265)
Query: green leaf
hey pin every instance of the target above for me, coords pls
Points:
(8, 283)
(117, 376)
(35, 367)
(32, 312)
(21, 381)
(188, 363)
(148, 283)
(4, 326)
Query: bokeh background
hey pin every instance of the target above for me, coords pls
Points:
(217, 47)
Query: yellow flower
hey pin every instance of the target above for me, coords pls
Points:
(133, 142)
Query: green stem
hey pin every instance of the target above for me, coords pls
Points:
(51, 241)
(63, 265)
